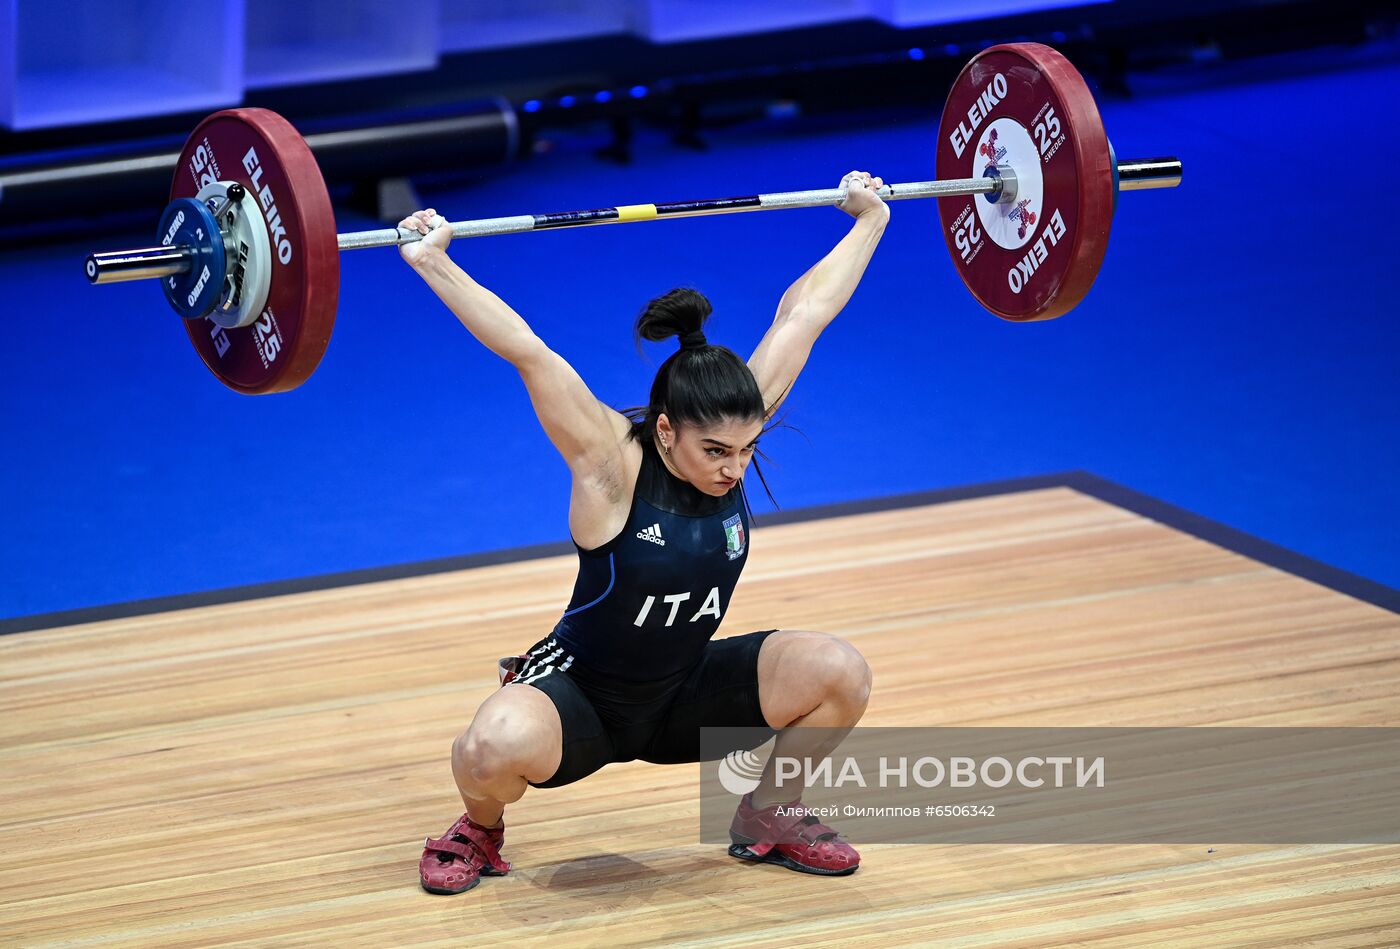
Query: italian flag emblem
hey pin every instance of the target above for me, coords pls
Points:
(734, 537)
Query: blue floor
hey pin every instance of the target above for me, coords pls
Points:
(1236, 358)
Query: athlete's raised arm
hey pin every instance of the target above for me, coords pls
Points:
(586, 432)
(813, 301)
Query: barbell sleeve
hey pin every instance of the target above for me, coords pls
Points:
(1140, 174)
(143, 263)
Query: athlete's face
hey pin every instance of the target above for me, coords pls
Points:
(712, 457)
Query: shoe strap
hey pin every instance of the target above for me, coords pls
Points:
(802, 828)
(479, 851)
(811, 831)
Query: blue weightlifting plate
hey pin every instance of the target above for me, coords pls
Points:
(195, 293)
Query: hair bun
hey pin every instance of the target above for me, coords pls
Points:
(681, 312)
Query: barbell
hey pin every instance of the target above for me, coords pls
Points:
(249, 254)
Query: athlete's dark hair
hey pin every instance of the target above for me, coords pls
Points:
(701, 383)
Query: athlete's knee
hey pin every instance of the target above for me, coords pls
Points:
(483, 766)
(496, 747)
(843, 671)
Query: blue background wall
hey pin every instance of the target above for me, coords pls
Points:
(1237, 356)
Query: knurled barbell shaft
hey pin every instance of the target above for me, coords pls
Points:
(626, 214)
(152, 262)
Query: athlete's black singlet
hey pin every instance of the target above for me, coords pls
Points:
(646, 602)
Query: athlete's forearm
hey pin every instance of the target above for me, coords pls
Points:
(823, 291)
(488, 318)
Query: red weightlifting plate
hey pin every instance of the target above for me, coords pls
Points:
(283, 346)
(1024, 105)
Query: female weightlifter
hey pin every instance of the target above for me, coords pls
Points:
(658, 514)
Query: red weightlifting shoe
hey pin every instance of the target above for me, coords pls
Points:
(456, 861)
(787, 834)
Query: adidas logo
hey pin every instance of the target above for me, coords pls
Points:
(653, 534)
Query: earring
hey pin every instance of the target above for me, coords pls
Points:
(665, 447)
